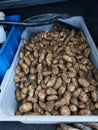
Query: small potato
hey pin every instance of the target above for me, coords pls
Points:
(62, 66)
(37, 109)
(39, 68)
(55, 112)
(21, 54)
(64, 110)
(71, 74)
(36, 53)
(31, 57)
(27, 53)
(85, 61)
(81, 105)
(17, 93)
(25, 107)
(87, 52)
(21, 61)
(51, 91)
(60, 102)
(83, 97)
(74, 101)
(58, 83)
(55, 70)
(49, 59)
(25, 68)
(23, 79)
(85, 112)
(96, 105)
(52, 97)
(47, 113)
(51, 81)
(71, 87)
(83, 67)
(17, 79)
(40, 78)
(42, 105)
(73, 108)
(61, 90)
(24, 90)
(31, 99)
(55, 61)
(46, 79)
(67, 97)
(67, 58)
(42, 56)
(77, 92)
(46, 73)
(43, 85)
(32, 77)
(94, 96)
(42, 95)
(49, 106)
(23, 96)
(21, 74)
(65, 78)
(27, 60)
(32, 70)
(83, 82)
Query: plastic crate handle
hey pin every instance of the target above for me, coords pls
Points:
(47, 17)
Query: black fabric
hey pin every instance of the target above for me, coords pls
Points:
(21, 126)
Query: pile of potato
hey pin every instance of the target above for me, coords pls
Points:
(55, 76)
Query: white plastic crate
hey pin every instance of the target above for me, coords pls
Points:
(8, 103)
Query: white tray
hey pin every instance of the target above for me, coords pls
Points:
(8, 103)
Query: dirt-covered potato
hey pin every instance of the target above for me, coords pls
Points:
(25, 107)
(55, 76)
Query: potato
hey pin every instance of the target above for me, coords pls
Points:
(83, 97)
(55, 70)
(49, 106)
(39, 68)
(71, 87)
(85, 112)
(42, 56)
(40, 78)
(25, 107)
(51, 91)
(25, 68)
(60, 102)
(73, 108)
(64, 110)
(46, 73)
(61, 90)
(58, 83)
(51, 81)
(67, 58)
(94, 96)
(52, 97)
(37, 109)
(83, 82)
(49, 59)
(42, 95)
